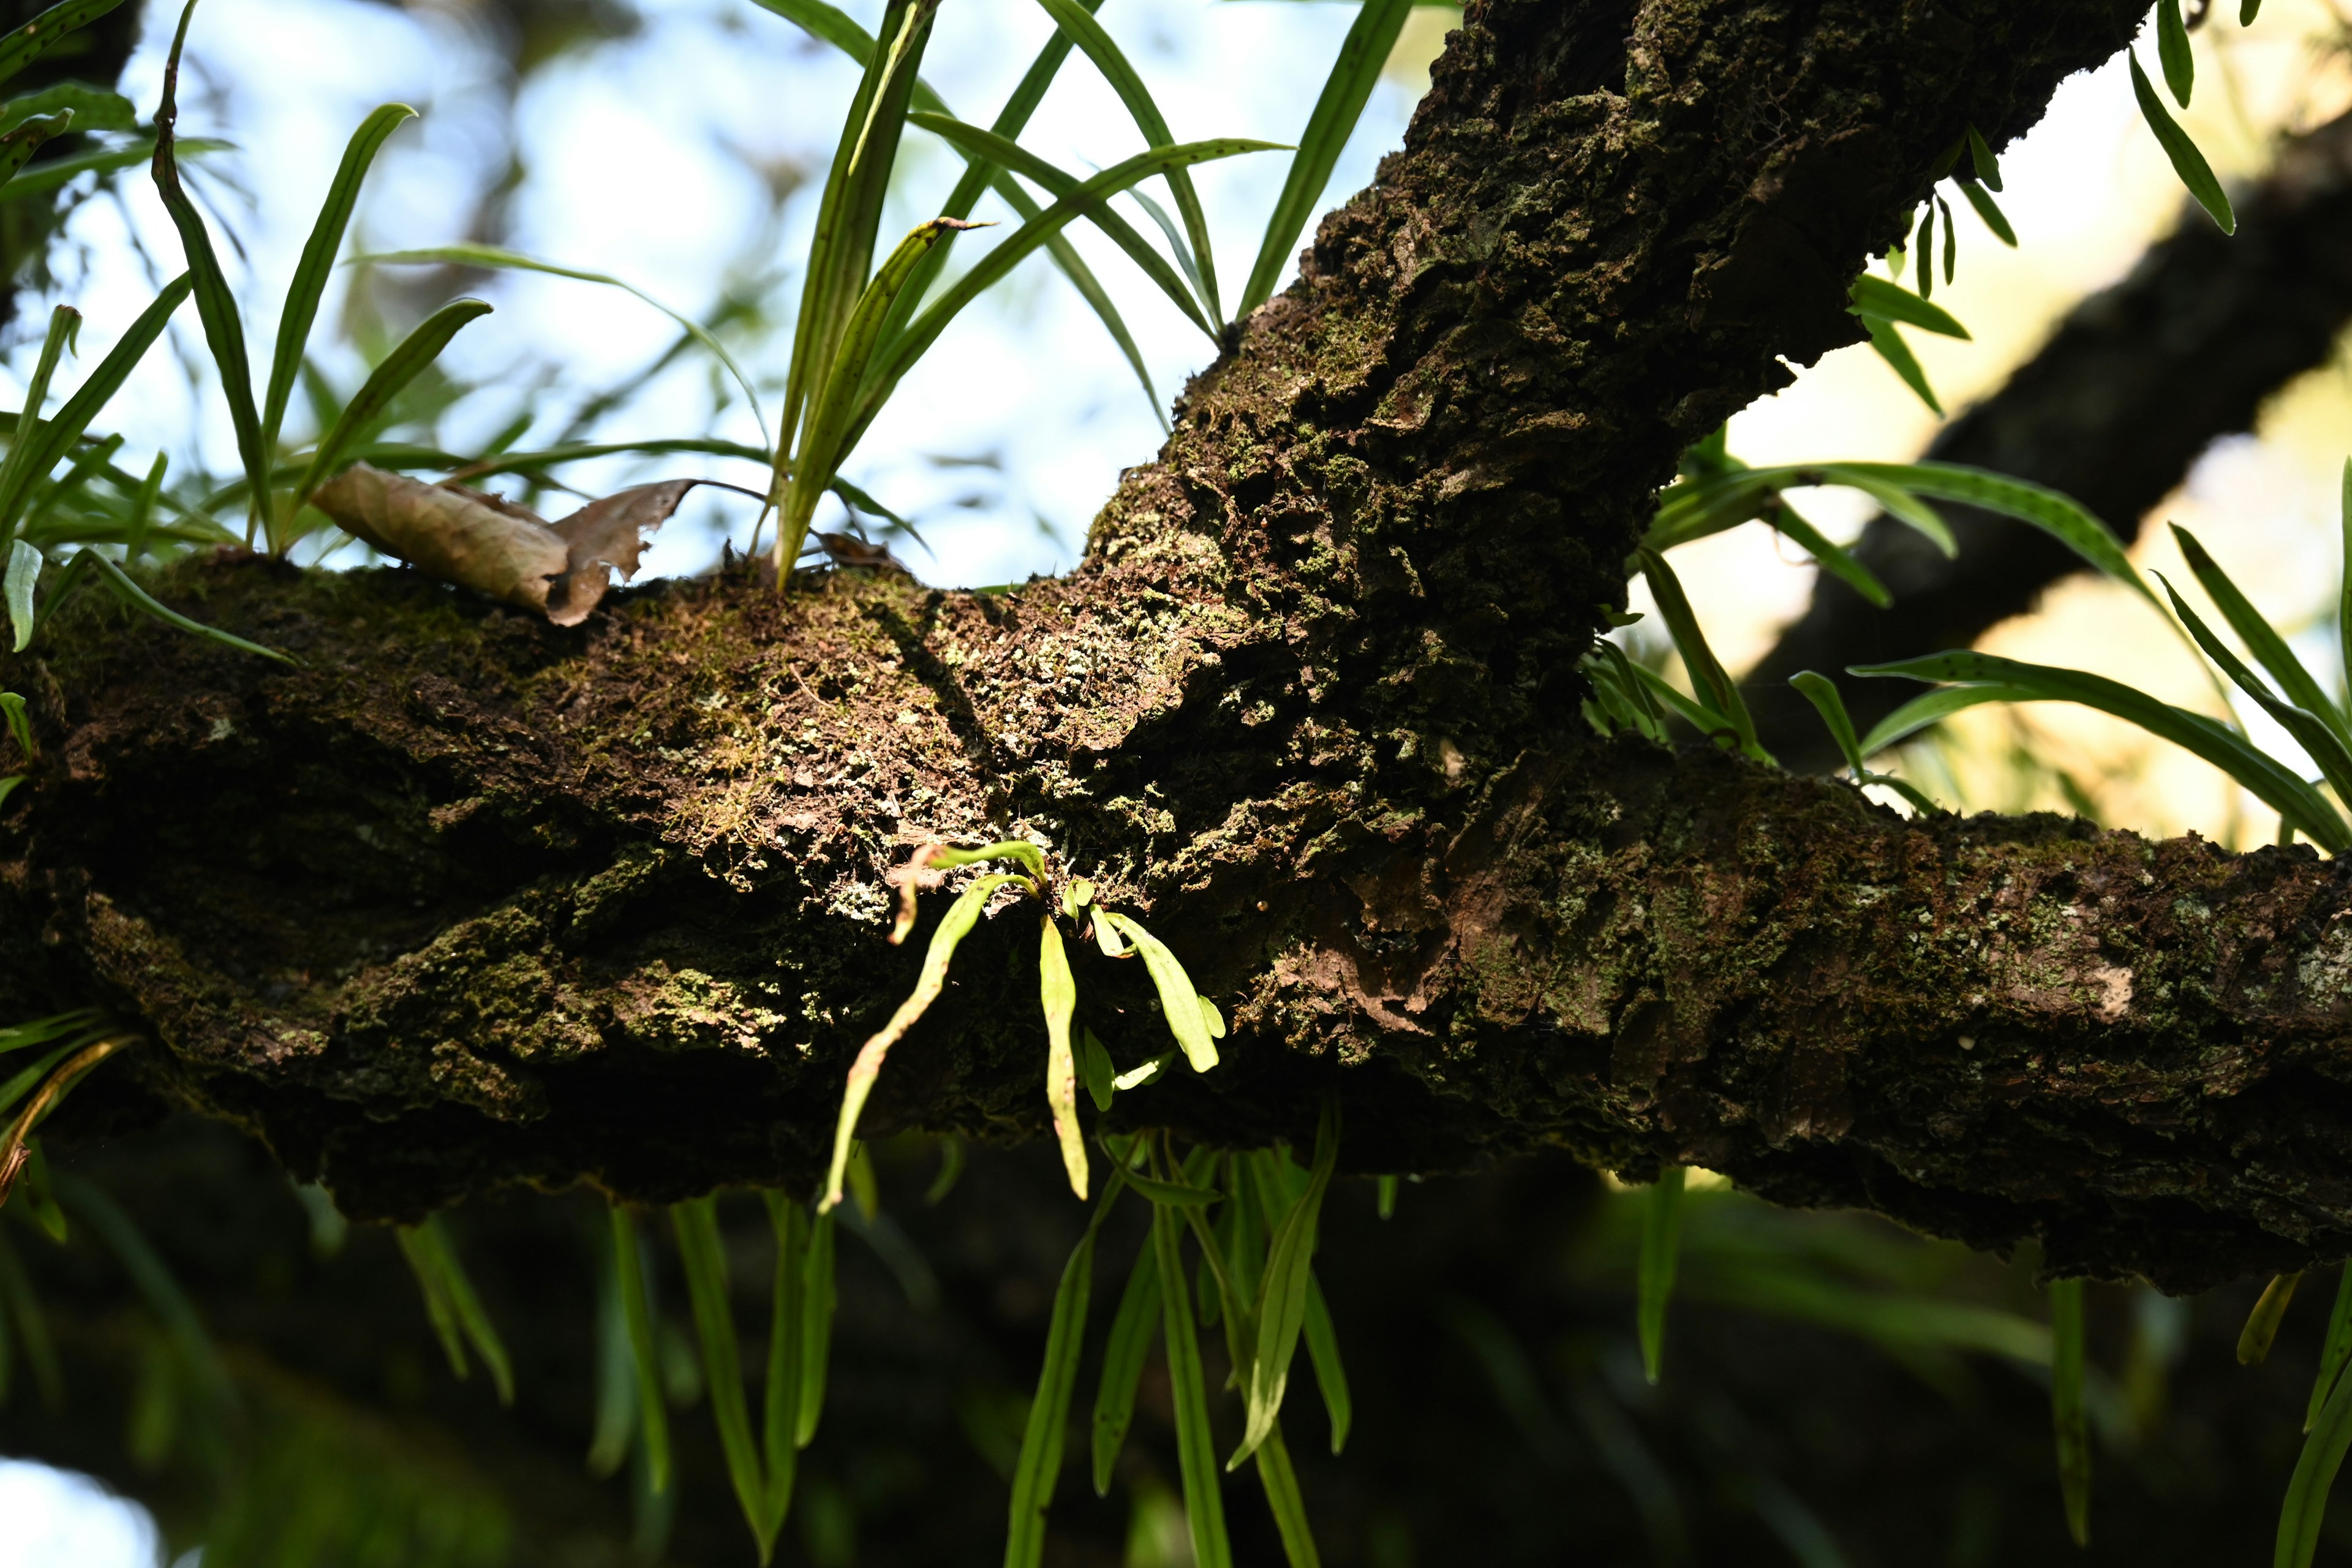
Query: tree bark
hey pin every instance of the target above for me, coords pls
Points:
(466, 900)
(2135, 384)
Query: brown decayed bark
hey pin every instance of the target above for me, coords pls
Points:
(467, 901)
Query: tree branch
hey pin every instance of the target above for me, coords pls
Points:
(468, 900)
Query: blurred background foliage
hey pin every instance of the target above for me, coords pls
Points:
(265, 1383)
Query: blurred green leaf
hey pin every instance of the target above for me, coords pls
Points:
(1654, 1276)
(1281, 1309)
(1284, 1500)
(1875, 296)
(2172, 50)
(703, 1258)
(419, 350)
(37, 36)
(637, 1313)
(1889, 346)
(819, 1294)
(2262, 1328)
(1123, 1356)
(1196, 1455)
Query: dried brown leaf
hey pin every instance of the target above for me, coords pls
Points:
(458, 535)
(605, 535)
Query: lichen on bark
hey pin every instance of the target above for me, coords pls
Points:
(468, 900)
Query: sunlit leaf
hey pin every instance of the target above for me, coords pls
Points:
(419, 350)
(1180, 1004)
(1341, 103)
(2187, 161)
(1059, 995)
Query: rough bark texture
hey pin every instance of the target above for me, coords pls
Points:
(2135, 384)
(466, 900)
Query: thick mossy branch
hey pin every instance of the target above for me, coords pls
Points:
(468, 900)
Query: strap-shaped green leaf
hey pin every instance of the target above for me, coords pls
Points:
(2335, 1351)
(1980, 158)
(1888, 344)
(899, 354)
(1180, 1003)
(1341, 103)
(1330, 1375)
(1833, 558)
(52, 438)
(404, 364)
(1281, 1308)
(1875, 296)
(1821, 692)
(821, 448)
(37, 36)
(954, 926)
(2306, 1508)
(1039, 1467)
(1660, 1247)
(469, 254)
(1898, 501)
(1124, 1353)
(780, 1406)
(139, 599)
(1196, 1453)
(1282, 1500)
(2272, 783)
(2261, 639)
(455, 1308)
(17, 472)
(2055, 514)
(2067, 1409)
(318, 261)
(637, 1314)
(1707, 672)
(973, 144)
(2186, 162)
(2314, 734)
(2172, 51)
(1077, 22)
(26, 138)
(820, 1298)
(849, 214)
(1990, 211)
(1058, 995)
(703, 1259)
(2262, 1323)
(215, 305)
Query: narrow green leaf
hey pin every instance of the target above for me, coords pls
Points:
(1341, 103)
(637, 1312)
(2314, 734)
(2067, 1409)
(2262, 1328)
(1181, 1195)
(1980, 158)
(2306, 1508)
(491, 256)
(1707, 672)
(1875, 296)
(1951, 238)
(1123, 1356)
(318, 262)
(1702, 717)
(1283, 1498)
(1661, 1246)
(2172, 50)
(900, 353)
(215, 305)
(1078, 24)
(1822, 693)
(139, 599)
(1058, 994)
(92, 108)
(1281, 1309)
(24, 565)
(1196, 1455)
(2187, 161)
(787, 1337)
(821, 448)
(438, 1308)
(17, 475)
(1100, 1072)
(1180, 1004)
(404, 364)
(91, 1206)
(25, 138)
(617, 1392)
(1889, 346)
(51, 440)
(1925, 270)
(820, 1298)
(1990, 210)
(954, 926)
(2247, 11)
(2269, 648)
(20, 729)
(1896, 501)
(430, 1241)
(2334, 1351)
(32, 1325)
(1039, 1469)
(704, 1259)
(1835, 559)
(1331, 1375)
(1385, 1203)
(2057, 515)
(37, 36)
(2269, 782)
(971, 142)
(850, 211)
